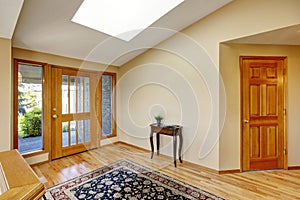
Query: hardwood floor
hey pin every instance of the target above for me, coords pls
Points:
(277, 184)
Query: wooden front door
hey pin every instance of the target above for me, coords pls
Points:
(263, 112)
(74, 111)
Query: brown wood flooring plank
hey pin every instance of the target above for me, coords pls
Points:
(276, 184)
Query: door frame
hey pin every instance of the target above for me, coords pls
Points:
(285, 122)
(45, 116)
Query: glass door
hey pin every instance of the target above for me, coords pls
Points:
(74, 111)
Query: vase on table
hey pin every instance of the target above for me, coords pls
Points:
(158, 119)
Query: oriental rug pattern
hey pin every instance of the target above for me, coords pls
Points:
(124, 180)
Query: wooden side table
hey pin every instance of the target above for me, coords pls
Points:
(171, 130)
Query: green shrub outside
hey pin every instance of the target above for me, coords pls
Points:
(31, 123)
(65, 127)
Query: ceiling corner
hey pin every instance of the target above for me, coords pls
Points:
(9, 14)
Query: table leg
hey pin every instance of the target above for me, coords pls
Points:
(180, 146)
(151, 144)
(157, 142)
(174, 148)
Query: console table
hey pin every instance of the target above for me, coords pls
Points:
(17, 179)
(170, 130)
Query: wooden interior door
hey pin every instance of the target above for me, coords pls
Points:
(263, 112)
(74, 111)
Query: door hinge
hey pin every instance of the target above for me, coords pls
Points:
(284, 151)
(284, 112)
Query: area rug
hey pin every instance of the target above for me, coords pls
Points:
(125, 180)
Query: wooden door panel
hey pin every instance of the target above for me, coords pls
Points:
(55, 139)
(271, 73)
(254, 142)
(271, 135)
(254, 100)
(271, 100)
(263, 141)
(262, 113)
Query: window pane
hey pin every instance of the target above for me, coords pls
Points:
(86, 94)
(80, 95)
(106, 105)
(65, 134)
(87, 130)
(73, 132)
(30, 110)
(65, 94)
(72, 94)
(80, 131)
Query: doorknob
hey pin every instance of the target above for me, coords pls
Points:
(246, 121)
(54, 116)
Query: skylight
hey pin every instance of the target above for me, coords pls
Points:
(123, 19)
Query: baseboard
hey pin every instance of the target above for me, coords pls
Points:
(137, 147)
(294, 168)
(200, 167)
(238, 171)
(107, 141)
(40, 163)
(187, 163)
(230, 171)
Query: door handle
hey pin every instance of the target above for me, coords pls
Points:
(246, 121)
(54, 116)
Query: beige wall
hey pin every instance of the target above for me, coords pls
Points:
(230, 70)
(243, 18)
(163, 82)
(188, 62)
(5, 100)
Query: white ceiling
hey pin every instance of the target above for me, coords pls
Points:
(45, 26)
(9, 13)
